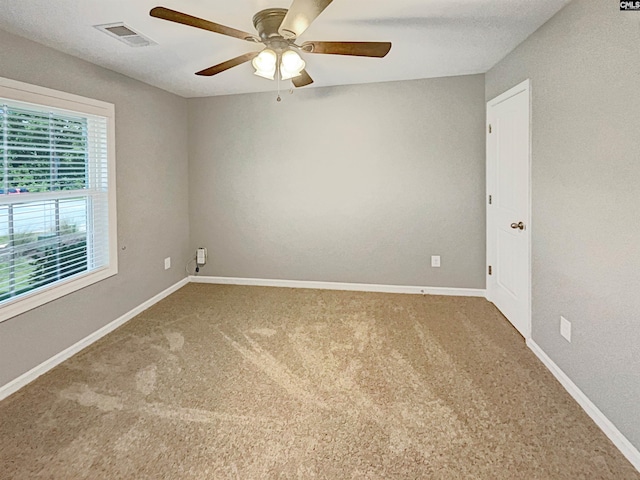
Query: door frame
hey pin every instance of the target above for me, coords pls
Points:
(524, 86)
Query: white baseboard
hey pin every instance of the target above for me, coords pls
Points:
(610, 430)
(351, 287)
(57, 359)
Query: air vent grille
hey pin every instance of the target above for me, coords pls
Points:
(121, 31)
(125, 34)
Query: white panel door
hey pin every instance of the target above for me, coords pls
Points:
(508, 209)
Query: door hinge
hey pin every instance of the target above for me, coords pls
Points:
(490, 128)
(490, 270)
(490, 199)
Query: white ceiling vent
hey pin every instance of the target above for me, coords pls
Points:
(125, 34)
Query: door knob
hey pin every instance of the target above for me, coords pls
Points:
(519, 226)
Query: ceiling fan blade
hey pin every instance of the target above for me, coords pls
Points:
(300, 15)
(358, 49)
(302, 80)
(184, 19)
(221, 67)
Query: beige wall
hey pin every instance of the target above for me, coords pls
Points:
(584, 65)
(151, 149)
(348, 184)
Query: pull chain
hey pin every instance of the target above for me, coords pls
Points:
(279, 99)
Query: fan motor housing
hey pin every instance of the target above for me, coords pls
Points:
(267, 23)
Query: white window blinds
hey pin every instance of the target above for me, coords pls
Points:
(54, 197)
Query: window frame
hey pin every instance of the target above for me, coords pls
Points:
(46, 97)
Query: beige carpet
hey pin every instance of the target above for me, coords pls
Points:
(260, 383)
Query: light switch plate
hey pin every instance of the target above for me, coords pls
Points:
(565, 329)
(435, 261)
(167, 263)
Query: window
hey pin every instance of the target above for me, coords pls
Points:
(57, 195)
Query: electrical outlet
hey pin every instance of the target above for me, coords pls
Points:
(435, 261)
(565, 329)
(167, 263)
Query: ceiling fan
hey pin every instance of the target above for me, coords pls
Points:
(278, 29)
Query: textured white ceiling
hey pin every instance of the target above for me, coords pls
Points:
(431, 38)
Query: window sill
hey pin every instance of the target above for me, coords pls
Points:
(48, 294)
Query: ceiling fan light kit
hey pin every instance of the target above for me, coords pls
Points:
(291, 65)
(265, 63)
(278, 29)
(287, 63)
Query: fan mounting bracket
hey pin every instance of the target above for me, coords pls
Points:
(267, 22)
